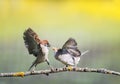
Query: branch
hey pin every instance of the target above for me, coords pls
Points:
(57, 70)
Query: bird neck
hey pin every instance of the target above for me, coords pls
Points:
(44, 48)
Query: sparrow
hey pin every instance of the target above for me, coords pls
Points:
(69, 54)
(36, 47)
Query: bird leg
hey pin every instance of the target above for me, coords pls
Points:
(34, 68)
(49, 65)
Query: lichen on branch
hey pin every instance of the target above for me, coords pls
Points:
(58, 70)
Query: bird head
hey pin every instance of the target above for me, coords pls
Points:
(45, 43)
(55, 49)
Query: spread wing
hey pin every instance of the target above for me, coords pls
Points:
(32, 42)
(71, 46)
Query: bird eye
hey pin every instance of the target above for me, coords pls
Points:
(45, 44)
(48, 45)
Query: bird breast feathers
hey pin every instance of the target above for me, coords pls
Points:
(68, 59)
(44, 49)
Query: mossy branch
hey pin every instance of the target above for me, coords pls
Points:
(57, 70)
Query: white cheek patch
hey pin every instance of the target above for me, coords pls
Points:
(44, 48)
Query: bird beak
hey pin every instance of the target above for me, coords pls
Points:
(55, 49)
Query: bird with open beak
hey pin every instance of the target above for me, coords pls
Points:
(69, 54)
(37, 47)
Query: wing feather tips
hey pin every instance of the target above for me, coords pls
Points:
(70, 43)
(71, 46)
(74, 52)
(29, 40)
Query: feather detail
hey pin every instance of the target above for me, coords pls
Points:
(70, 43)
(83, 53)
(32, 42)
(71, 46)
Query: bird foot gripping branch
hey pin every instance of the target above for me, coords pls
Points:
(19, 74)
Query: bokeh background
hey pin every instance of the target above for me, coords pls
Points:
(95, 24)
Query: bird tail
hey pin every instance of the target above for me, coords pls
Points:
(83, 53)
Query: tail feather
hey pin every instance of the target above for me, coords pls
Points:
(83, 53)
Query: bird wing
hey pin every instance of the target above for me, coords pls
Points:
(71, 46)
(70, 43)
(32, 42)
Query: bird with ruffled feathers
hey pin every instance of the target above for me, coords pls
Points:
(69, 54)
(36, 47)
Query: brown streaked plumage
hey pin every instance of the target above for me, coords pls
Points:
(37, 47)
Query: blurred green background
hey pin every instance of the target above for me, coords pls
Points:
(94, 24)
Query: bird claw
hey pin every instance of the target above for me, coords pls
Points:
(32, 71)
(52, 69)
